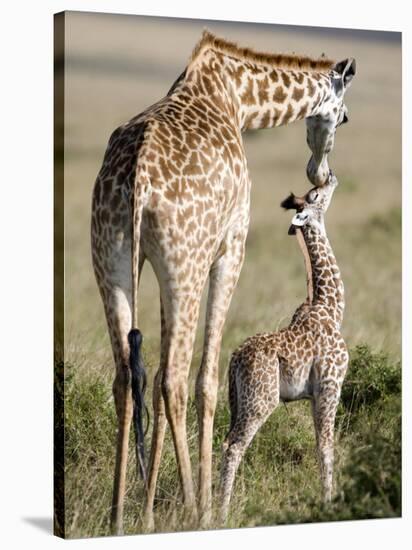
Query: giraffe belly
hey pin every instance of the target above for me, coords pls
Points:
(293, 387)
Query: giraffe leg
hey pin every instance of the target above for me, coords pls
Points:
(159, 429)
(119, 317)
(124, 410)
(324, 408)
(181, 316)
(114, 288)
(254, 403)
(235, 447)
(224, 275)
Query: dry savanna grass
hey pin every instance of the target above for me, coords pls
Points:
(115, 67)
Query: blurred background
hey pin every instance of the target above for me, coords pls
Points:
(116, 66)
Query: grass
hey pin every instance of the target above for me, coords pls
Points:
(278, 480)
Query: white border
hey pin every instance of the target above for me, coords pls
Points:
(26, 92)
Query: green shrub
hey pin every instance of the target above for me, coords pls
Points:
(370, 378)
(373, 486)
(372, 477)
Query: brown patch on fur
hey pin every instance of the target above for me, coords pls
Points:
(274, 76)
(207, 83)
(249, 119)
(285, 78)
(192, 140)
(237, 74)
(150, 156)
(279, 96)
(164, 168)
(276, 116)
(263, 94)
(208, 40)
(298, 94)
(303, 111)
(266, 119)
(247, 97)
(300, 78)
(311, 88)
(288, 114)
(153, 173)
(254, 69)
(193, 167)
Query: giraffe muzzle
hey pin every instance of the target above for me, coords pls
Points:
(318, 172)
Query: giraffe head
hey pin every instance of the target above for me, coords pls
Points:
(310, 208)
(321, 127)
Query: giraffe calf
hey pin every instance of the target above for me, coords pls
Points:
(306, 360)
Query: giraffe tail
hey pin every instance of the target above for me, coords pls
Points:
(138, 390)
(135, 338)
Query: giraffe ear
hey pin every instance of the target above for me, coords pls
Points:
(300, 219)
(347, 70)
(292, 202)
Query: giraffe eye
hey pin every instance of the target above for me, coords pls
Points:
(313, 196)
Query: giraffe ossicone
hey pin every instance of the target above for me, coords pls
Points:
(174, 189)
(306, 360)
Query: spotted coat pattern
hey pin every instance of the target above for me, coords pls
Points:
(308, 359)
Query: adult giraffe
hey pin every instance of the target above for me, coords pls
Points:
(174, 189)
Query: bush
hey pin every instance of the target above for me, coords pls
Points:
(373, 486)
(371, 377)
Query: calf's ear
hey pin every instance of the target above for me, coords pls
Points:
(292, 202)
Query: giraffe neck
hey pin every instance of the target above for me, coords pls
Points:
(308, 265)
(326, 278)
(260, 94)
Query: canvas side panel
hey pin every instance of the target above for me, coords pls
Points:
(59, 65)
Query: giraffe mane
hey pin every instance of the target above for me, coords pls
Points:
(286, 61)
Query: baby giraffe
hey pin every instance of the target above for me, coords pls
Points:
(306, 360)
